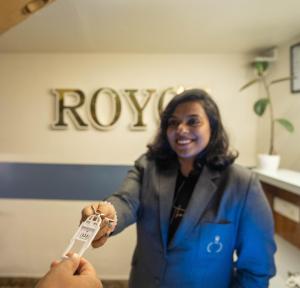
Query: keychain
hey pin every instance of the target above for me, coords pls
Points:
(86, 232)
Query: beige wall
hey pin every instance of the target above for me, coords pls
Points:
(36, 232)
(26, 105)
(286, 105)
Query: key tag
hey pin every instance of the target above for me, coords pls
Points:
(84, 235)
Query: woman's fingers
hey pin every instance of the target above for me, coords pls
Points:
(109, 220)
(104, 231)
(100, 241)
(107, 209)
(88, 211)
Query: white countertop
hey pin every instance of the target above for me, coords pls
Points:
(283, 178)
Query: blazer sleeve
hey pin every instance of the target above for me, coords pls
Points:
(127, 200)
(255, 244)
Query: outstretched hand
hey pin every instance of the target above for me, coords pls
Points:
(107, 227)
(72, 272)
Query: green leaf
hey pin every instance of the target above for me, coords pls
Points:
(280, 80)
(286, 124)
(249, 84)
(261, 67)
(260, 106)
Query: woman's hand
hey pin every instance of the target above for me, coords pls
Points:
(72, 272)
(109, 220)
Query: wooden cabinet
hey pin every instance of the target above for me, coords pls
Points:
(284, 226)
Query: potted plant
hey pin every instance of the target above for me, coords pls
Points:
(271, 160)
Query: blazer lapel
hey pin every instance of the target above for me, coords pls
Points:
(203, 192)
(167, 182)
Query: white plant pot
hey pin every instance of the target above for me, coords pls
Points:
(268, 162)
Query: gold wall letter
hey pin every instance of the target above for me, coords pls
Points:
(171, 92)
(62, 109)
(113, 95)
(137, 108)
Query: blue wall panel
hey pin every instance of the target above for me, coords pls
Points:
(59, 181)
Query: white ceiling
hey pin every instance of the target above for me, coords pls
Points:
(156, 26)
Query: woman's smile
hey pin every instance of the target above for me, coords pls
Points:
(188, 130)
(183, 142)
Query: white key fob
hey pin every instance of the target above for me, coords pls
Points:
(84, 235)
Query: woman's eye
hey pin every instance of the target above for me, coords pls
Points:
(173, 123)
(193, 122)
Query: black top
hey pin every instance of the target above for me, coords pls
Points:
(183, 192)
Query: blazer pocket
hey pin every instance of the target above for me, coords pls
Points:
(216, 240)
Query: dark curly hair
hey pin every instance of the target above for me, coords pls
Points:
(216, 155)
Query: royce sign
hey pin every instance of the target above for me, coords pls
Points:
(138, 100)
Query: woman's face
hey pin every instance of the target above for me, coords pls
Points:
(188, 130)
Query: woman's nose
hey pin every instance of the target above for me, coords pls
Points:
(182, 128)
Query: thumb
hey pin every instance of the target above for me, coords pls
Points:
(71, 263)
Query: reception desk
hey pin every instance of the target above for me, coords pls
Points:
(282, 188)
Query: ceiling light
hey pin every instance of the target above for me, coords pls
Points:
(34, 6)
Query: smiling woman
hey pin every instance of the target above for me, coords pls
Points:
(194, 114)
(193, 207)
(188, 133)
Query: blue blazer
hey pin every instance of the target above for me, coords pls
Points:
(225, 238)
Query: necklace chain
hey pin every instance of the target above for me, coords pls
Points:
(177, 211)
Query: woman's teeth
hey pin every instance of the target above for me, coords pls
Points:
(183, 142)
